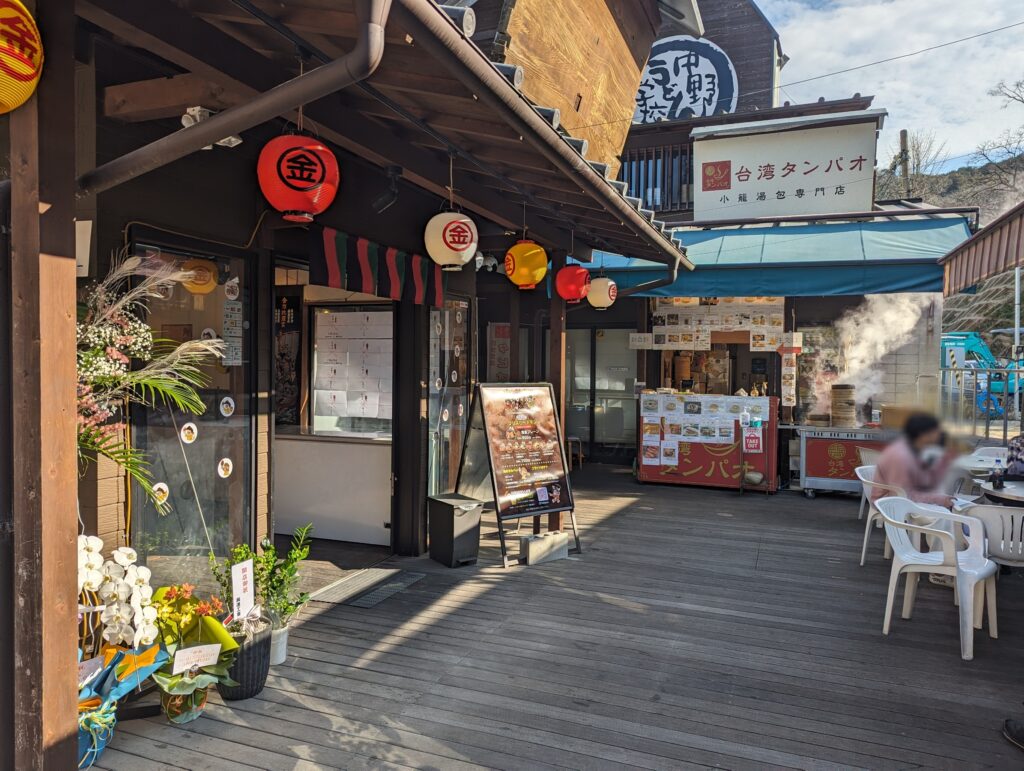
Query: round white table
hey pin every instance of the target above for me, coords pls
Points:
(1012, 491)
(981, 465)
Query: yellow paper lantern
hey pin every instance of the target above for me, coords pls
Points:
(21, 55)
(526, 264)
(603, 292)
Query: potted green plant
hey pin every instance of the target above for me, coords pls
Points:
(282, 597)
(275, 584)
(252, 633)
(185, 621)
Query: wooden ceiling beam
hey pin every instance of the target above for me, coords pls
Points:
(165, 98)
(195, 45)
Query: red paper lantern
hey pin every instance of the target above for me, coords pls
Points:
(572, 283)
(298, 176)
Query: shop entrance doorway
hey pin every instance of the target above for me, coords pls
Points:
(600, 404)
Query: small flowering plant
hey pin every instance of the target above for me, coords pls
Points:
(121, 362)
(184, 620)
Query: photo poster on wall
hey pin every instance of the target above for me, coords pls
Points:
(354, 364)
(514, 447)
(688, 326)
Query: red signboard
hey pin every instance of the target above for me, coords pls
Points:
(716, 175)
(752, 440)
(835, 458)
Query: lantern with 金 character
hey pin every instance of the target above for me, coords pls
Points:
(572, 283)
(603, 292)
(526, 264)
(451, 239)
(21, 55)
(298, 176)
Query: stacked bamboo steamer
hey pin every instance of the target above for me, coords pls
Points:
(844, 408)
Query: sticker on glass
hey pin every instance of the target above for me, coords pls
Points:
(225, 467)
(459, 410)
(438, 384)
(458, 351)
(164, 292)
(445, 416)
(189, 432)
(161, 493)
(455, 376)
(458, 317)
(209, 334)
(231, 289)
(437, 328)
(227, 406)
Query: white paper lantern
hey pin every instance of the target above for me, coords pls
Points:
(451, 239)
(602, 293)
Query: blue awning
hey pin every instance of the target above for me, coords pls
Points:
(804, 259)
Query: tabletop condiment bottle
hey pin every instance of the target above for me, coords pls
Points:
(997, 475)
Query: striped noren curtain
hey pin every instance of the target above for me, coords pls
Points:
(344, 261)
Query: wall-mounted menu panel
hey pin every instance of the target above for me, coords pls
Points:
(353, 371)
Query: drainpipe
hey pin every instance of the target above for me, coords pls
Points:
(667, 280)
(437, 34)
(358, 64)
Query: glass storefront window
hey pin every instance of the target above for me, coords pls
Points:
(449, 392)
(353, 366)
(204, 462)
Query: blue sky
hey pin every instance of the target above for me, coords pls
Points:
(944, 91)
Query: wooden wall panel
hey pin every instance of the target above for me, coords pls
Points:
(585, 58)
(745, 35)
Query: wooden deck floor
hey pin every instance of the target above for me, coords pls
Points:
(699, 628)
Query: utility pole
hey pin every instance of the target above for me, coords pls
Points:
(905, 162)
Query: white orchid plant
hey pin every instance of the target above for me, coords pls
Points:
(122, 590)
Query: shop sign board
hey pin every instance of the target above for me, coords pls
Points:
(514, 453)
(752, 439)
(822, 170)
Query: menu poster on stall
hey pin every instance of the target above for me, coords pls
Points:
(641, 341)
(514, 447)
(650, 453)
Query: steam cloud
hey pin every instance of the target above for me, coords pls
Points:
(876, 327)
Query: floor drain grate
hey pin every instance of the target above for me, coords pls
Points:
(367, 587)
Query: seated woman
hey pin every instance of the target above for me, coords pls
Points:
(1015, 457)
(916, 462)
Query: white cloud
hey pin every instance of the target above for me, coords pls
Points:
(945, 91)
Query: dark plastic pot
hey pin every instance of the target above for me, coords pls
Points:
(252, 663)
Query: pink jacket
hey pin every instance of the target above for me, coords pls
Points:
(900, 466)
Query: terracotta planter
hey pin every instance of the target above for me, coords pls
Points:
(183, 708)
(252, 663)
(279, 645)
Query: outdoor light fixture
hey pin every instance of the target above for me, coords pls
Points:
(21, 56)
(603, 292)
(451, 239)
(389, 197)
(298, 175)
(526, 263)
(197, 114)
(572, 283)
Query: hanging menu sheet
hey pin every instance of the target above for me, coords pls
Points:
(353, 370)
(232, 333)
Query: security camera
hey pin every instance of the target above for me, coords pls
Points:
(490, 262)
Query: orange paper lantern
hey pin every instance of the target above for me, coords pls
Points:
(21, 55)
(526, 264)
(572, 283)
(298, 176)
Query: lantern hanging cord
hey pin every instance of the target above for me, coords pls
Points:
(451, 181)
(524, 219)
(302, 71)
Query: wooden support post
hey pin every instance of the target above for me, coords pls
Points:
(514, 370)
(556, 363)
(44, 458)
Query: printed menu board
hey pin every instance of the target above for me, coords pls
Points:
(525, 461)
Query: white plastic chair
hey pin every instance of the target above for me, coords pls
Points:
(866, 475)
(867, 456)
(1004, 533)
(975, 574)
